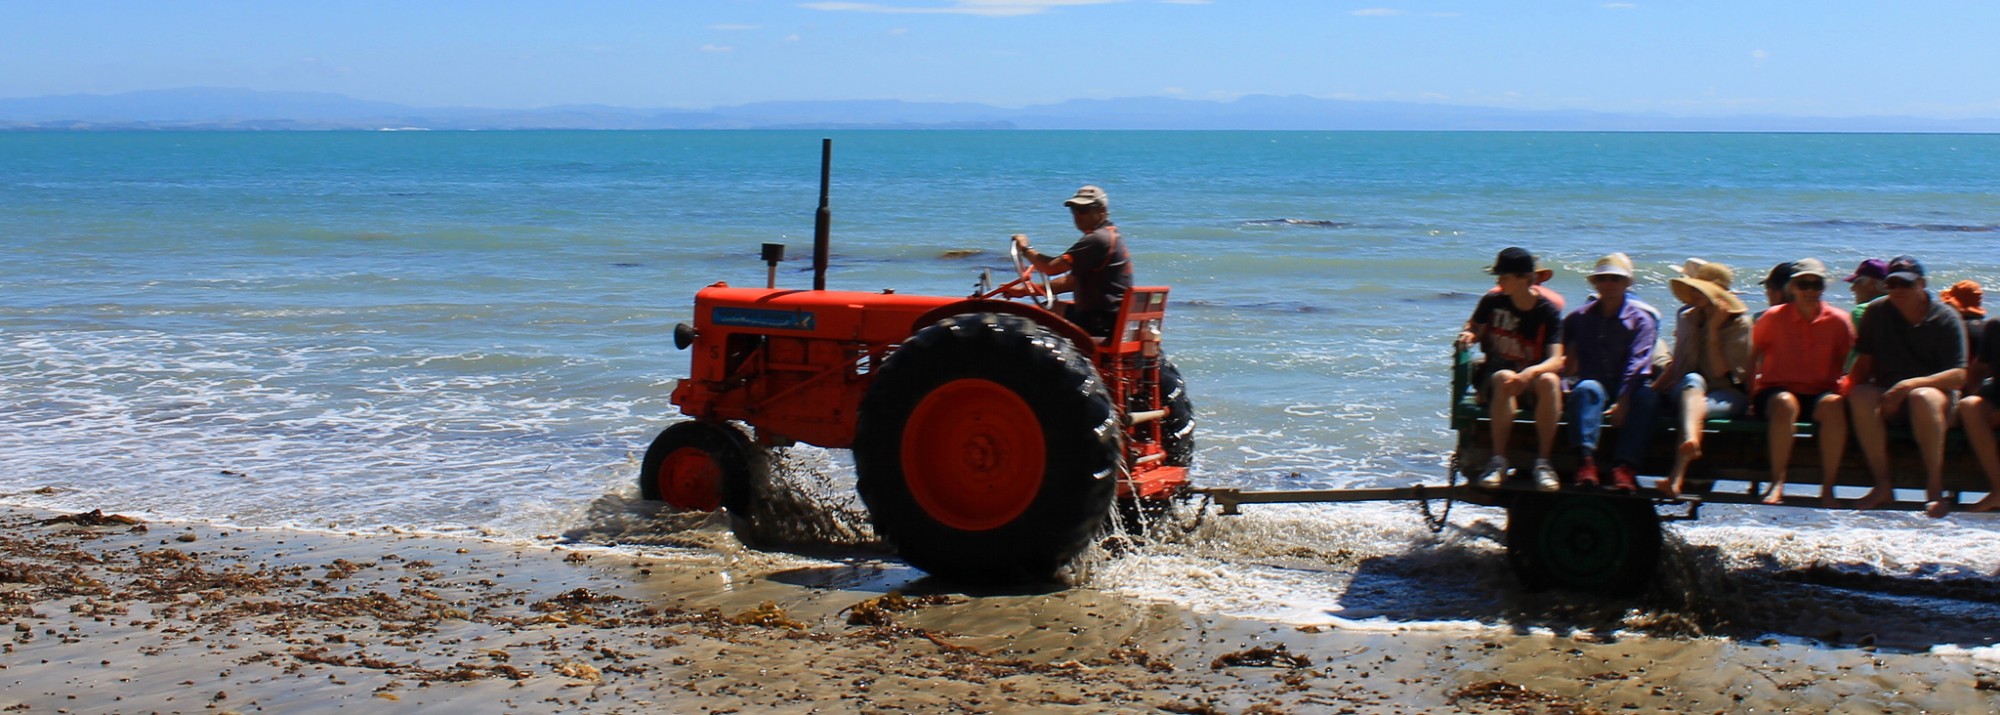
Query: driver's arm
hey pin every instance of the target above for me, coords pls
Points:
(1052, 266)
(1061, 283)
(1045, 264)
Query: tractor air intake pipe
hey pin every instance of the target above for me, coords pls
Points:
(823, 220)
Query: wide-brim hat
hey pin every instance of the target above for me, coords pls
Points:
(1964, 297)
(1689, 266)
(1616, 264)
(1694, 290)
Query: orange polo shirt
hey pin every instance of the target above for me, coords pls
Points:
(1800, 355)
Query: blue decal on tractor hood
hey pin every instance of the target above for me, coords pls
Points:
(762, 318)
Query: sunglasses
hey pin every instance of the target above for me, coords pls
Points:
(1899, 283)
(1607, 279)
(1808, 285)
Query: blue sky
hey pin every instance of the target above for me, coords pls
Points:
(1835, 58)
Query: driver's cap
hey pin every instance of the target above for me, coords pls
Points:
(1089, 195)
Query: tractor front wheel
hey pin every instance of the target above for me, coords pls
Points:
(987, 450)
(700, 466)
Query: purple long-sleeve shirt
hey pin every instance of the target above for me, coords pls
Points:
(1617, 352)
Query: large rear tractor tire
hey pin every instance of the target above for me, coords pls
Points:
(987, 450)
(1582, 542)
(700, 466)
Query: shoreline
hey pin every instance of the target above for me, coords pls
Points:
(104, 613)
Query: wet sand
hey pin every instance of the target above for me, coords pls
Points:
(102, 613)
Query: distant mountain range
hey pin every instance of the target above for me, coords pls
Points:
(240, 109)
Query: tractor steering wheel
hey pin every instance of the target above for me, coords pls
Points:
(1047, 295)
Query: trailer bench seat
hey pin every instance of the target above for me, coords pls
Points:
(1733, 450)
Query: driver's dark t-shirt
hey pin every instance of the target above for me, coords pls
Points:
(1101, 271)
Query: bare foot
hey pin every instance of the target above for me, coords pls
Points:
(1991, 502)
(1776, 496)
(1876, 497)
(1827, 500)
(1669, 488)
(1691, 449)
(1936, 509)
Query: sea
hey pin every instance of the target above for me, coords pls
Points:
(470, 332)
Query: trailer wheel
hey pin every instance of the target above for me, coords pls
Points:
(1176, 439)
(1583, 542)
(699, 466)
(987, 450)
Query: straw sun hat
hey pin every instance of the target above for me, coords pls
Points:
(1708, 282)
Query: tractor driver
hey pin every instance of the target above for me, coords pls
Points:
(1096, 270)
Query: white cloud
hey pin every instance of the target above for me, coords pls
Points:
(717, 48)
(731, 27)
(988, 8)
(1621, 6)
(1376, 12)
(794, 37)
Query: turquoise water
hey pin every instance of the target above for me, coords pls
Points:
(458, 331)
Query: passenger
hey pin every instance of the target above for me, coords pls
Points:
(1911, 364)
(1980, 413)
(1709, 372)
(1799, 351)
(1096, 270)
(1775, 287)
(1866, 282)
(1609, 344)
(1542, 275)
(1520, 334)
(1966, 297)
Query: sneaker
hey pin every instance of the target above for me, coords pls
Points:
(1586, 473)
(1495, 473)
(1545, 477)
(1623, 478)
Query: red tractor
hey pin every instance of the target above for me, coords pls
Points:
(991, 438)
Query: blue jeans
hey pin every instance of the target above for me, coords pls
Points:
(1586, 404)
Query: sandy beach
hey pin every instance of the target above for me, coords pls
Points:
(107, 613)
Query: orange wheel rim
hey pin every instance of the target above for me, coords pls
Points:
(690, 478)
(973, 454)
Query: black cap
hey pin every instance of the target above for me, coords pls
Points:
(1780, 275)
(1906, 268)
(1512, 259)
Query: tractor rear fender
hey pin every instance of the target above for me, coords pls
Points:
(1085, 344)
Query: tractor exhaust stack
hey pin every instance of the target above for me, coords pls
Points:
(823, 220)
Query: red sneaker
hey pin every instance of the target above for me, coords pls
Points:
(1586, 473)
(1623, 478)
